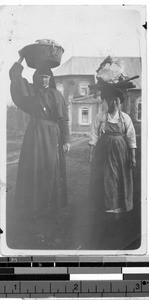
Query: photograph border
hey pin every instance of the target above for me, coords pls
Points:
(6, 251)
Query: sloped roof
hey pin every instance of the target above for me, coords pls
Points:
(79, 65)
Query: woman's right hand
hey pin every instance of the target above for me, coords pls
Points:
(91, 151)
(21, 57)
(90, 157)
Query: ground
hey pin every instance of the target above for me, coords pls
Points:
(79, 225)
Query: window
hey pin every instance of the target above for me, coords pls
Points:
(85, 115)
(83, 88)
(60, 88)
(139, 109)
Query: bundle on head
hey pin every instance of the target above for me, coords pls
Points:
(111, 81)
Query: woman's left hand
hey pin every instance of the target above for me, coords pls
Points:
(132, 163)
(66, 147)
(132, 158)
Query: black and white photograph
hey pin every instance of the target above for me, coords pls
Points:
(73, 129)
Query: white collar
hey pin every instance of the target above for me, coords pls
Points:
(116, 116)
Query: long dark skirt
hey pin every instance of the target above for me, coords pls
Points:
(41, 178)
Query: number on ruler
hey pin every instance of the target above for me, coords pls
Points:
(75, 287)
(137, 286)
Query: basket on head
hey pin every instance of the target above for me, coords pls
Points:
(43, 52)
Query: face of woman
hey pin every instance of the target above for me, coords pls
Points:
(43, 81)
(113, 104)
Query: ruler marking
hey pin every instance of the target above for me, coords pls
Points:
(126, 290)
(80, 286)
(50, 288)
(96, 288)
(141, 286)
(111, 287)
(65, 288)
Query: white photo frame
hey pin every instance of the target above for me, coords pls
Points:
(12, 41)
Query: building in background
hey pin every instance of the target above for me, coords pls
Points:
(72, 80)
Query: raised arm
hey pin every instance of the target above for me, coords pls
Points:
(21, 91)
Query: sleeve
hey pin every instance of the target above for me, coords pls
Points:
(64, 121)
(94, 131)
(20, 91)
(130, 132)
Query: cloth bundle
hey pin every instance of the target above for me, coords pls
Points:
(111, 79)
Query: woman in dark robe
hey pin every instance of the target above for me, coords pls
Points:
(41, 180)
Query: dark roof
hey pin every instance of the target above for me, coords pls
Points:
(79, 65)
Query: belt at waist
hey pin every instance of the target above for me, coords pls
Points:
(43, 121)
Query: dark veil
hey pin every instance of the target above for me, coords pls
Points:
(44, 70)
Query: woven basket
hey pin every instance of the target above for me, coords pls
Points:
(42, 53)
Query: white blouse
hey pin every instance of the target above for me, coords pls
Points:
(99, 126)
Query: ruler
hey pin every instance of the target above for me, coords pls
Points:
(73, 289)
(44, 277)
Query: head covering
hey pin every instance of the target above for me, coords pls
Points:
(44, 70)
(109, 91)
